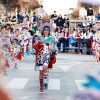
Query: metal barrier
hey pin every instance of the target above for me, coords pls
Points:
(86, 22)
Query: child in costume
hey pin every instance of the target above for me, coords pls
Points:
(15, 51)
(44, 46)
(26, 37)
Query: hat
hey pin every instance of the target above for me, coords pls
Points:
(24, 28)
(15, 40)
(46, 25)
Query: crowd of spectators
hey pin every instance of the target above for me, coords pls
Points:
(78, 38)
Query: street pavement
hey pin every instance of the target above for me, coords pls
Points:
(65, 77)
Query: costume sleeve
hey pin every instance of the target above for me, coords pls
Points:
(53, 47)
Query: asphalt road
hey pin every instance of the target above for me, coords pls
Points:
(64, 79)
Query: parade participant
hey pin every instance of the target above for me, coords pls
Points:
(15, 52)
(96, 46)
(5, 44)
(44, 46)
(3, 92)
(26, 36)
(3, 63)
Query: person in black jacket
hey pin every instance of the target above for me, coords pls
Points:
(20, 18)
(90, 14)
(54, 15)
(59, 21)
(66, 20)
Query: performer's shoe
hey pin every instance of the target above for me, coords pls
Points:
(41, 90)
(45, 86)
(16, 67)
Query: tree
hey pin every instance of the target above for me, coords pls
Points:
(10, 4)
(34, 5)
(75, 14)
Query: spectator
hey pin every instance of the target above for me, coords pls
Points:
(54, 15)
(90, 14)
(41, 11)
(67, 37)
(34, 18)
(13, 19)
(98, 17)
(60, 21)
(39, 20)
(20, 18)
(78, 44)
(62, 40)
(66, 20)
(88, 37)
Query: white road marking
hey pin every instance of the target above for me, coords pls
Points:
(25, 98)
(17, 83)
(79, 84)
(68, 98)
(66, 66)
(54, 84)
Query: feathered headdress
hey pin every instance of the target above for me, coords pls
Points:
(46, 24)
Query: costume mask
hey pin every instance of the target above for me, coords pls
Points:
(47, 29)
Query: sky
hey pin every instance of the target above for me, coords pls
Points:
(58, 5)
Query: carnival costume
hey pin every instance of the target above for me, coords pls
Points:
(4, 45)
(96, 46)
(45, 53)
(16, 53)
(25, 43)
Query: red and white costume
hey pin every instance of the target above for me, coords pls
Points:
(96, 46)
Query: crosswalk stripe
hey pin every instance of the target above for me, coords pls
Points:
(66, 67)
(79, 84)
(17, 83)
(54, 84)
(68, 98)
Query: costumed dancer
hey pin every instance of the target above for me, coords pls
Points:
(15, 51)
(26, 41)
(3, 61)
(96, 46)
(45, 56)
(3, 92)
(4, 46)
